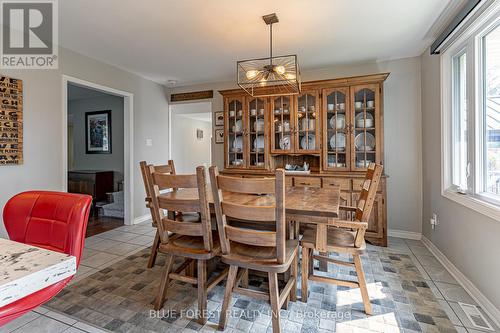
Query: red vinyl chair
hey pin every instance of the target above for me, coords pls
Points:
(51, 220)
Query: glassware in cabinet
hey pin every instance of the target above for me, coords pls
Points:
(257, 132)
(365, 127)
(281, 125)
(336, 127)
(235, 127)
(307, 122)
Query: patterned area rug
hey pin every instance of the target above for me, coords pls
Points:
(118, 298)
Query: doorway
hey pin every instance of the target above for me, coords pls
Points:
(191, 136)
(98, 156)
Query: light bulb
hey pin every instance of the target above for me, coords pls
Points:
(290, 76)
(280, 69)
(252, 74)
(263, 81)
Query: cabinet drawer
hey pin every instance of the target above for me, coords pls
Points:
(288, 181)
(344, 183)
(307, 181)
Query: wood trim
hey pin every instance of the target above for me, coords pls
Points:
(328, 83)
(194, 95)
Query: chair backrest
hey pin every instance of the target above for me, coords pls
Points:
(55, 221)
(167, 168)
(368, 192)
(268, 206)
(158, 181)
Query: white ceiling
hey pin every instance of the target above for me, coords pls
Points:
(195, 41)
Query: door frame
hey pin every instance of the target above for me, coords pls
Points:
(128, 146)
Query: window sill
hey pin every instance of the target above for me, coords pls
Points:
(478, 205)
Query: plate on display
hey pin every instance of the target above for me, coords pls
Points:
(337, 142)
(285, 142)
(361, 138)
(337, 121)
(238, 126)
(308, 142)
(238, 143)
(258, 143)
(258, 125)
(361, 122)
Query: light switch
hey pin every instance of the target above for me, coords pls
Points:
(149, 142)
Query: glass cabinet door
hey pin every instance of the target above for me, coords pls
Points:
(365, 100)
(281, 125)
(257, 120)
(235, 126)
(307, 123)
(336, 126)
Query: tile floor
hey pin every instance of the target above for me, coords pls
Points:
(110, 247)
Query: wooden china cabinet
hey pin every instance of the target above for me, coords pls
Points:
(336, 126)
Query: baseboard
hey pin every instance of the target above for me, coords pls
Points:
(404, 234)
(142, 218)
(473, 291)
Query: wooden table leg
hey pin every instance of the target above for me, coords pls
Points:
(321, 244)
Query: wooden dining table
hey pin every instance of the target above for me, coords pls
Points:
(311, 205)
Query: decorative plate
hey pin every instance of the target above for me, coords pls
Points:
(258, 143)
(238, 143)
(339, 120)
(308, 142)
(258, 125)
(337, 142)
(238, 126)
(359, 141)
(285, 142)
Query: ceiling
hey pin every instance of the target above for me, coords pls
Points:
(194, 41)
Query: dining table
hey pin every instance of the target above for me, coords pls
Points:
(311, 205)
(26, 269)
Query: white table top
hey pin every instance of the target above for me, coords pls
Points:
(25, 269)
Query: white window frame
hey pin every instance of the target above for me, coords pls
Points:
(470, 41)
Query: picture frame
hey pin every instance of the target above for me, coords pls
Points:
(98, 132)
(219, 118)
(219, 135)
(199, 134)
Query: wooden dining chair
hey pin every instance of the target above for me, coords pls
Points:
(168, 169)
(192, 240)
(245, 248)
(344, 236)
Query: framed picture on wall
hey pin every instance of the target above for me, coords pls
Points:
(219, 118)
(219, 135)
(98, 132)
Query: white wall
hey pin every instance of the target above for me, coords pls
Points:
(188, 151)
(402, 116)
(43, 125)
(76, 116)
(469, 240)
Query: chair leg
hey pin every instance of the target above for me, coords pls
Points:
(160, 299)
(293, 292)
(362, 284)
(244, 279)
(154, 250)
(305, 272)
(231, 279)
(202, 291)
(274, 298)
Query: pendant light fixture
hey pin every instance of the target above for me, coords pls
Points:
(270, 76)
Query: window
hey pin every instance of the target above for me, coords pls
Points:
(491, 113)
(459, 118)
(471, 115)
